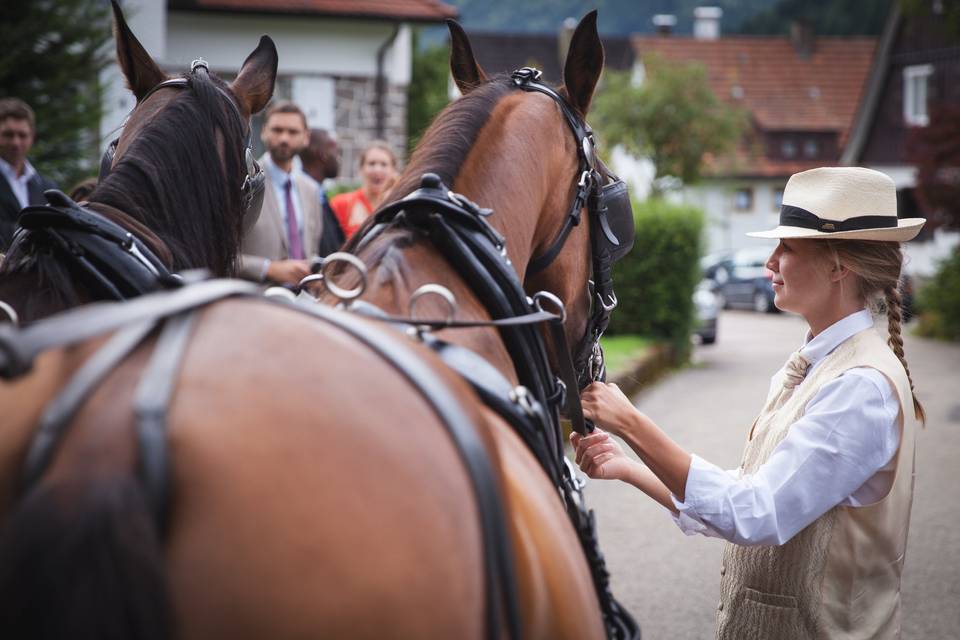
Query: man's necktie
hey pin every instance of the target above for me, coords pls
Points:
(294, 243)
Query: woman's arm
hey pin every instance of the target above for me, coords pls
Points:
(606, 406)
(601, 457)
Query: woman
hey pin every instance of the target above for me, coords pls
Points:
(816, 516)
(378, 169)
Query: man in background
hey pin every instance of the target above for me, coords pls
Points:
(321, 161)
(21, 184)
(280, 245)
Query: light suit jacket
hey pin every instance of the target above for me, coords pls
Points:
(268, 237)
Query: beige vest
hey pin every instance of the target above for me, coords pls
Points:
(840, 576)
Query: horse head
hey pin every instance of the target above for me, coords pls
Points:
(181, 179)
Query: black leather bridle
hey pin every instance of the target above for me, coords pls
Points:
(607, 201)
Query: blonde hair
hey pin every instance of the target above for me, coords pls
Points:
(382, 146)
(877, 268)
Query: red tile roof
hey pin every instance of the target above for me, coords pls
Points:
(782, 90)
(415, 10)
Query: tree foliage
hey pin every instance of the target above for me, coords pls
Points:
(935, 150)
(673, 118)
(427, 92)
(833, 18)
(52, 55)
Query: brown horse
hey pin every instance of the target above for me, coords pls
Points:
(174, 181)
(314, 489)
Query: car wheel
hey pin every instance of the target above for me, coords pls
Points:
(761, 303)
(708, 339)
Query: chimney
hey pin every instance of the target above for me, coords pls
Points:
(706, 23)
(802, 38)
(664, 23)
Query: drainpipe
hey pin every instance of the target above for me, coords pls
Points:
(381, 86)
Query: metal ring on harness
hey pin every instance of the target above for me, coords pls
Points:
(345, 295)
(552, 299)
(438, 290)
(11, 313)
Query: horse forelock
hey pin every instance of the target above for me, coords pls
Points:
(180, 177)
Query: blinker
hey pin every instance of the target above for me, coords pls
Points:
(616, 219)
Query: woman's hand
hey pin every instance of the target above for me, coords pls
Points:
(601, 457)
(606, 406)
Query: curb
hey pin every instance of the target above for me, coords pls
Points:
(654, 362)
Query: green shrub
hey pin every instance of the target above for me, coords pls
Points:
(655, 282)
(940, 302)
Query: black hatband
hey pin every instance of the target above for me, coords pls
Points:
(791, 216)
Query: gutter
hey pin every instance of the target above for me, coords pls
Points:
(381, 81)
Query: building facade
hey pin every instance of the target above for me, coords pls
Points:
(346, 63)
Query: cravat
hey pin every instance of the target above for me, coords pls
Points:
(293, 231)
(794, 371)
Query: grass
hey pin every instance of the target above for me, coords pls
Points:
(620, 351)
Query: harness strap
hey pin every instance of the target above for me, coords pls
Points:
(18, 349)
(151, 403)
(59, 412)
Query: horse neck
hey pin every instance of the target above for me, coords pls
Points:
(399, 263)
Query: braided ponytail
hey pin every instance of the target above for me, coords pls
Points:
(894, 305)
(877, 266)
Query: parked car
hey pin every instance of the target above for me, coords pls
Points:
(707, 305)
(742, 279)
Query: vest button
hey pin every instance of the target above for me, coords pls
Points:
(723, 570)
(720, 606)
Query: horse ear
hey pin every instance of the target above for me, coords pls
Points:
(254, 84)
(141, 71)
(584, 63)
(466, 72)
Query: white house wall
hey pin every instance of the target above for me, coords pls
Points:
(726, 227)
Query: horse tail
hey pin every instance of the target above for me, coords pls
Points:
(83, 560)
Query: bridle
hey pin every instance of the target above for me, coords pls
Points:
(607, 201)
(113, 262)
(251, 190)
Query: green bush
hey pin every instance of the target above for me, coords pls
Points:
(655, 282)
(940, 302)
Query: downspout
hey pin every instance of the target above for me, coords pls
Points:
(381, 88)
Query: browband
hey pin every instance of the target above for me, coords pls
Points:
(791, 216)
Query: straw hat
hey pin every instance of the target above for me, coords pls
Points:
(849, 203)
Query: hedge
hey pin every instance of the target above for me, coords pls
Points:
(656, 281)
(939, 302)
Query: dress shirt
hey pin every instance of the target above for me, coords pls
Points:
(839, 452)
(18, 184)
(278, 178)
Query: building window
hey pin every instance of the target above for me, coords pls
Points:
(743, 199)
(777, 199)
(811, 149)
(788, 148)
(915, 82)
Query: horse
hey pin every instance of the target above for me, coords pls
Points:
(180, 179)
(321, 468)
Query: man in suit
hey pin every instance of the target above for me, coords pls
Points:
(280, 245)
(321, 160)
(21, 184)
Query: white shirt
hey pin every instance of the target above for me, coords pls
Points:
(840, 452)
(18, 184)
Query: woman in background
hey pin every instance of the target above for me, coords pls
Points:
(378, 170)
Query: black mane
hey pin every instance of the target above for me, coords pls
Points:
(172, 179)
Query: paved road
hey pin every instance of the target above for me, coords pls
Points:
(672, 582)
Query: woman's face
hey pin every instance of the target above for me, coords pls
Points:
(801, 277)
(376, 170)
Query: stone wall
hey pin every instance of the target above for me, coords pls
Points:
(356, 121)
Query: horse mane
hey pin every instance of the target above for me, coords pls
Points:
(187, 199)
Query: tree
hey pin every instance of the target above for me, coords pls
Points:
(51, 58)
(427, 92)
(935, 150)
(673, 118)
(830, 18)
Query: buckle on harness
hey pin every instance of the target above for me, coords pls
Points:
(524, 75)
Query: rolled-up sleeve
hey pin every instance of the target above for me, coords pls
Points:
(848, 432)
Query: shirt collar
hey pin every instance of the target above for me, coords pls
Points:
(277, 175)
(28, 170)
(831, 337)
